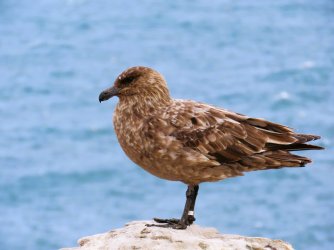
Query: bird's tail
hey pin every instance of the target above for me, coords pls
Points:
(279, 155)
(282, 158)
(272, 160)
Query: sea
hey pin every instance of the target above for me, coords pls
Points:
(63, 174)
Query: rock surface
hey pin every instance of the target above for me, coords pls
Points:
(135, 235)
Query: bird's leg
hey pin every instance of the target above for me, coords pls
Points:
(188, 212)
(191, 217)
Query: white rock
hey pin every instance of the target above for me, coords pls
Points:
(135, 235)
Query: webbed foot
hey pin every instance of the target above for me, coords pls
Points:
(168, 223)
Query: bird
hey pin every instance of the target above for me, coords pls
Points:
(193, 142)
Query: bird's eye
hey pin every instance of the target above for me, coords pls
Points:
(128, 80)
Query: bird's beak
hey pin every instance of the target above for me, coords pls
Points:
(108, 93)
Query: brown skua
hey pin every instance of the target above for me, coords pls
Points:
(192, 142)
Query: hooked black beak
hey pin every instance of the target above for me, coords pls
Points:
(108, 93)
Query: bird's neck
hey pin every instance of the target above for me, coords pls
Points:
(142, 106)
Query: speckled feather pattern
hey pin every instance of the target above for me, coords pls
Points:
(193, 142)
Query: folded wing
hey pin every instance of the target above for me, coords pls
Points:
(238, 141)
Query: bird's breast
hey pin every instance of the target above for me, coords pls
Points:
(130, 128)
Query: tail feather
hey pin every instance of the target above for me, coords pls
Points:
(299, 143)
(293, 147)
(302, 138)
(272, 160)
(287, 159)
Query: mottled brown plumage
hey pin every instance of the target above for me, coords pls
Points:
(194, 142)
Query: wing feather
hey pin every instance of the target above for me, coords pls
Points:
(230, 137)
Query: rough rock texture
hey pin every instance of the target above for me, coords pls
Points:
(135, 235)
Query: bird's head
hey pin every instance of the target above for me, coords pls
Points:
(136, 84)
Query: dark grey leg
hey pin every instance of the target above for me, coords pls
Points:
(191, 217)
(188, 212)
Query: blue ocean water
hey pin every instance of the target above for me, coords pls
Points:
(62, 172)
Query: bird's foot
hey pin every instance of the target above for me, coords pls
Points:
(167, 221)
(173, 223)
(173, 226)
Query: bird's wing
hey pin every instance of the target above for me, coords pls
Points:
(226, 136)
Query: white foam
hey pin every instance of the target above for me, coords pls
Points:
(283, 95)
(307, 64)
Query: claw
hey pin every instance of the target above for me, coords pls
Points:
(179, 226)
